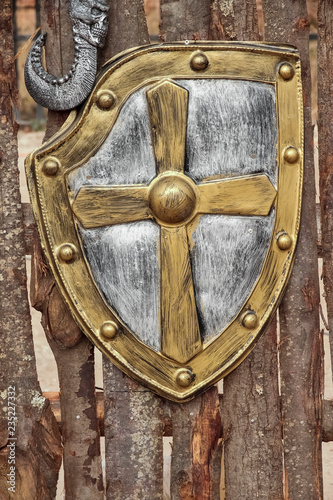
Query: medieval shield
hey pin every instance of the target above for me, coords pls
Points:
(168, 206)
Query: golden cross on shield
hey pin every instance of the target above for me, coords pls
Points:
(168, 206)
(173, 200)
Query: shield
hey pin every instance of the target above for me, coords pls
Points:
(168, 206)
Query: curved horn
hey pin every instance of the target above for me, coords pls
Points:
(66, 92)
(90, 25)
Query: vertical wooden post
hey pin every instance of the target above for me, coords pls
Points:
(196, 450)
(301, 349)
(325, 134)
(27, 422)
(251, 418)
(73, 352)
(133, 414)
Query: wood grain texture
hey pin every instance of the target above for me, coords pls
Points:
(325, 134)
(247, 443)
(179, 319)
(37, 441)
(301, 347)
(127, 29)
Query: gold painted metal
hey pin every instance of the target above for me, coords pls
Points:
(184, 377)
(157, 69)
(67, 252)
(105, 99)
(109, 329)
(286, 71)
(199, 61)
(250, 320)
(291, 155)
(284, 241)
(51, 166)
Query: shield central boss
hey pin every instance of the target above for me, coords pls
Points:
(169, 207)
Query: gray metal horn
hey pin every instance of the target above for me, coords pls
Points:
(90, 26)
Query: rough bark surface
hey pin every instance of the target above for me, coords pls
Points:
(184, 20)
(133, 438)
(72, 351)
(251, 418)
(325, 135)
(234, 20)
(37, 442)
(196, 429)
(252, 428)
(301, 347)
(196, 451)
(133, 415)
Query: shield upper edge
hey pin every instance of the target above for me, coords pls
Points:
(72, 147)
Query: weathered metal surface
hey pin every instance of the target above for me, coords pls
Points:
(90, 25)
(220, 193)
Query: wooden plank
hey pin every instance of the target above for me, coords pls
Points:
(301, 347)
(30, 442)
(133, 417)
(250, 410)
(72, 351)
(325, 144)
(196, 452)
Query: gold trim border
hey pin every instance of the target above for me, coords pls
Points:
(123, 75)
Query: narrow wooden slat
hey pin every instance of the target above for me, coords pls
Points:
(167, 107)
(179, 320)
(104, 206)
(250, 410)
(250, 195)
(184, 20)
(301, 347)
(133, 417)
(325, 139)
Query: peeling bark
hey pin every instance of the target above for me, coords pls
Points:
(38, 442)
(301, 347)
(234, 20)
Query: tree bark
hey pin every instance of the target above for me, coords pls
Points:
(196, 450)
(73, 352)
(251, 418)
(133, 415)
(325, 139)
(301, 347)
(33, 441)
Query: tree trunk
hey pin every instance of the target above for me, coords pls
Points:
(31, 447)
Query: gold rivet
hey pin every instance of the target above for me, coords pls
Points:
(109, 329)
(250, 320)
(51, 166)
(184, 377)
(105, 99)
(67, 252)
(199, 61)
(291, 155)
(284, 241)
(286, 71)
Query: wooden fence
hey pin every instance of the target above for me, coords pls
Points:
(265, 431)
